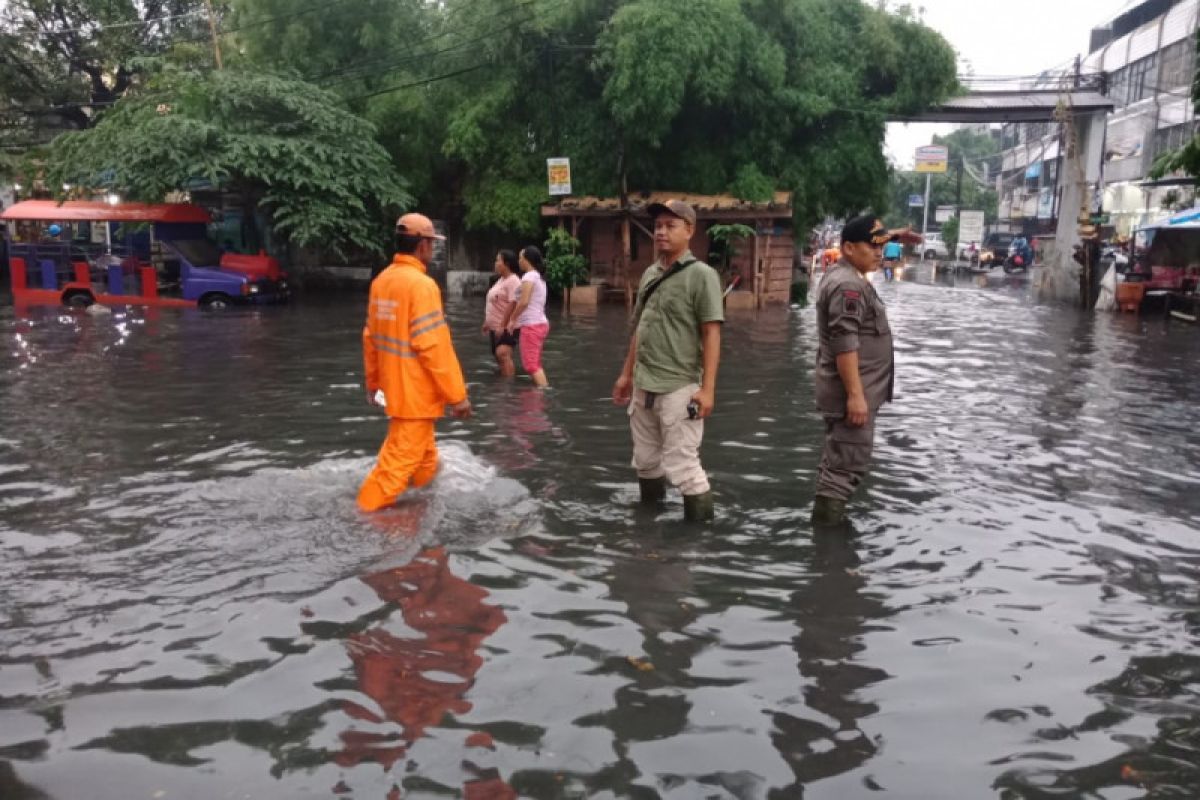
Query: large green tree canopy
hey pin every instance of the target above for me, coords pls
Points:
(696, 95)
(467, 98)
(311, 163)
(63, 61)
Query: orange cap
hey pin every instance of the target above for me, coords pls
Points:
(418, 225)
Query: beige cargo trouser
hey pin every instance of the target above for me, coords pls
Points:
(665, 442)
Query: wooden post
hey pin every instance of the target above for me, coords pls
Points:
(768, 271)
(626, 257)
(626, 243)
(756, 270)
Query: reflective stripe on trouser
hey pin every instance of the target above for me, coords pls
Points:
(667, 443)
(409, 457)
(845, 458)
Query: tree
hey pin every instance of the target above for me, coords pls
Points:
(950, 235)
(690, 95)
(976, 148)
(725, 240)
(1187, 158)
(361, 50)
(64, 61)
(282, 143)
(565, 266)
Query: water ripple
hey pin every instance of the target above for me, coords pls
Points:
(191, 605)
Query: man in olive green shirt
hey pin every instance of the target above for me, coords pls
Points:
(670, 375)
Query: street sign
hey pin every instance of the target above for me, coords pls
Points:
(932, 158)
(944, 213)
(559, 173)
(915, 201)
(970, 227)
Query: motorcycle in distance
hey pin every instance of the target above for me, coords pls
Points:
(1020, 256)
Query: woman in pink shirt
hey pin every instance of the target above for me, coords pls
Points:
(529, 315)
(501, 299)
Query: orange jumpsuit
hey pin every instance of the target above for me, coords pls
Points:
(408, 354)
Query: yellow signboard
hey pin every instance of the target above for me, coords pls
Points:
(932, 158)
(559, 171)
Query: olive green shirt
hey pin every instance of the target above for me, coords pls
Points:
(850, 316)
(669, 344)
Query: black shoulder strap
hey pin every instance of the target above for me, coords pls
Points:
(653, 286)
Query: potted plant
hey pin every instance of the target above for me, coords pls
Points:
(566, 268)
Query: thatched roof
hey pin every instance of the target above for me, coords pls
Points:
(708, 206)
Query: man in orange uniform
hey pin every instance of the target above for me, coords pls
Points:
(409, 356)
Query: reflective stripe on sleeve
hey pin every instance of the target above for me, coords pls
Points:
(430, 327)
(437, 312)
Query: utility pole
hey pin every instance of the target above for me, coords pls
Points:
(212, 26)
(958, 191)
(925, 219)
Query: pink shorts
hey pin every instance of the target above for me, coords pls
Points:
(533, 337)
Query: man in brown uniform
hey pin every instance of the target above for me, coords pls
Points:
(855, 366)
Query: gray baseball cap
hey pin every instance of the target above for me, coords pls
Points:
(676, 207)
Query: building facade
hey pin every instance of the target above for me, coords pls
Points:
(1147, 57)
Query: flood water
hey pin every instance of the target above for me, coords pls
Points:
(192, 607)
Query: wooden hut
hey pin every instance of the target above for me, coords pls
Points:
(762, 264)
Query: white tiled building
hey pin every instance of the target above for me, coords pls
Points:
(1148, 58)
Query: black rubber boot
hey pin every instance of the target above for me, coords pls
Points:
(654, 490)
(828, 511)
(698, 507)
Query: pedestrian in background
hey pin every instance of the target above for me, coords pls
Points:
(855, 366)
(891, 258)
(829, 257)
(528, 317)
(669, 379)
(409, 357)
(501, 299)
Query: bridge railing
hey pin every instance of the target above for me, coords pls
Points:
(1057, 82)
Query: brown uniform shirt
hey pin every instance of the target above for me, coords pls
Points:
(850, 316)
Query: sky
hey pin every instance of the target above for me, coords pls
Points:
(1041, 33)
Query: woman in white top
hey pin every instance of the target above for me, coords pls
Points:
(529, 315)
(500, 301)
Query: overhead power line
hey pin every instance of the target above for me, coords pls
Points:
(423, 82)
(101, 27)
(383, 63)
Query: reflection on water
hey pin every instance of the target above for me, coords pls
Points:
(191, 606)
(415, 681)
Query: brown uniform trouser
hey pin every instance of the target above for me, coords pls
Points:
(845, 458)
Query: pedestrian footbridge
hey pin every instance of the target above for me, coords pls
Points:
(1083, 108)
(1035, 105)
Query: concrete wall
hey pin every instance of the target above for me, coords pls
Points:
(467, 283)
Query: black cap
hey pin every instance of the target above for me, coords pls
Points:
(867, 228)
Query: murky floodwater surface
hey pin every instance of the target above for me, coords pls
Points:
(191, 606)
